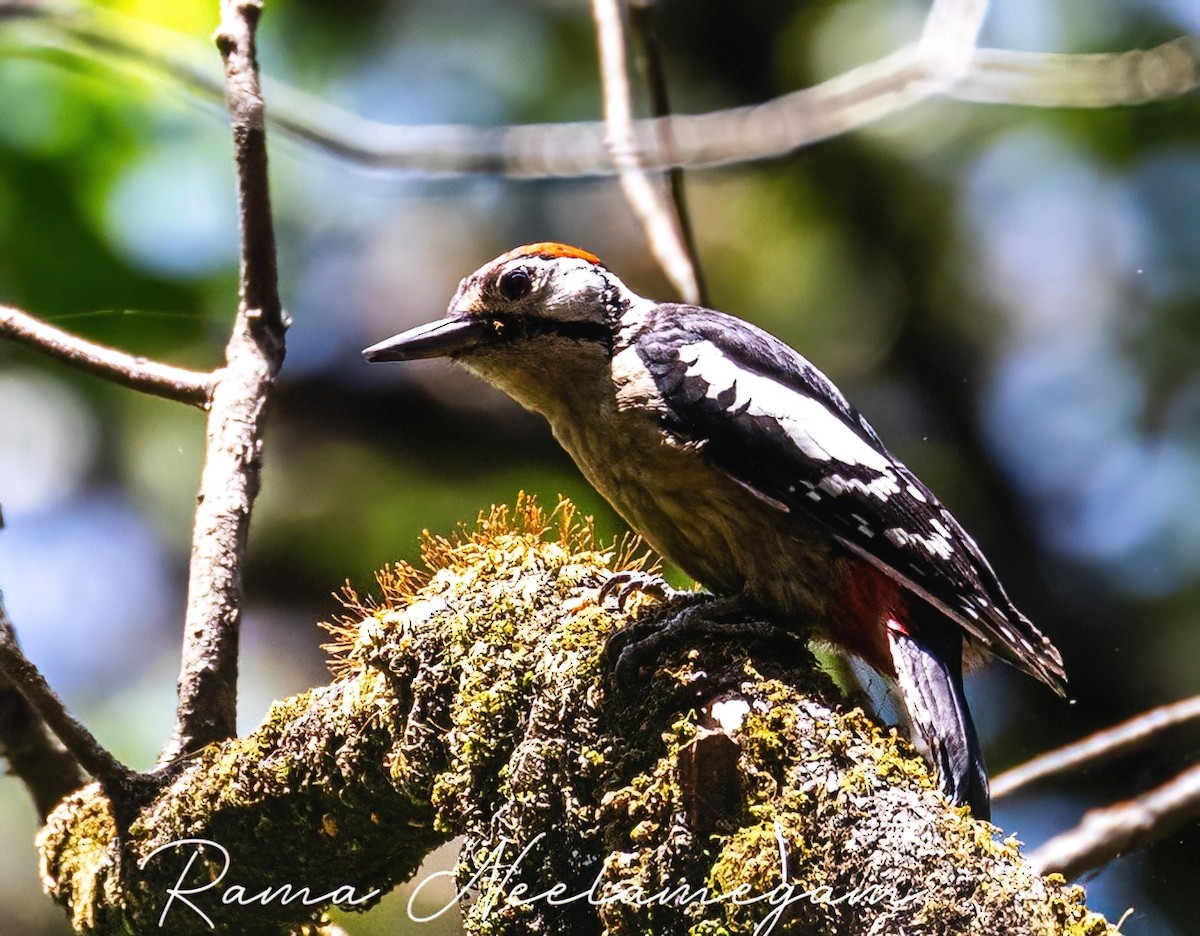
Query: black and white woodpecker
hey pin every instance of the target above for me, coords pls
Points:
(739, 461)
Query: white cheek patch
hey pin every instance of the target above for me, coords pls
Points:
(816, 431)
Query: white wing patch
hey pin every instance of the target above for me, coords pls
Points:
(634, 383)
(882, 487)
(936, 544)
(816, 431)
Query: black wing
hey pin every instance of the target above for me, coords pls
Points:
(780, 428)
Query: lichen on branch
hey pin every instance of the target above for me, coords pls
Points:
(720, 788)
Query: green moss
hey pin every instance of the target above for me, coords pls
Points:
(474, 698)
(83, 869)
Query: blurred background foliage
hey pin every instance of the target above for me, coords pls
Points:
(1011, 295)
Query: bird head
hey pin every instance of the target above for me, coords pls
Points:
(530, 322)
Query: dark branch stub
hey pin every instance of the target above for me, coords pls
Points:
(33, 753)
(50, 772)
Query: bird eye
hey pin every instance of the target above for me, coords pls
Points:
(516, 283)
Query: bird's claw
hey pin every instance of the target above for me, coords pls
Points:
(701, 621)
(623, 585)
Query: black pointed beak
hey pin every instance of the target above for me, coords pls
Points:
(446, 337)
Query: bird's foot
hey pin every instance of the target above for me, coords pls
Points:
(624, 585)
(639, 644)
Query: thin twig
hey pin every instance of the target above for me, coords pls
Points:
(173, 383)
(878, 89)
(207, 706)
(1106, 79)
(259, 277)
(1100, 747)
(741, 134)
(644, 19)
(85, 749)
(1104, 834)
(662, 233)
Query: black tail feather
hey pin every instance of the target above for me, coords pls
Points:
(929, 673)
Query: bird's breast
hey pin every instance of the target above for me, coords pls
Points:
(698, 517)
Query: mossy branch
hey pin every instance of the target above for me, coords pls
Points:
(729, 792)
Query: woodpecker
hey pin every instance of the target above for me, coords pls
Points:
(743, 464)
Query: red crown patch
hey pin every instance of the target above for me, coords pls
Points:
(550, 250)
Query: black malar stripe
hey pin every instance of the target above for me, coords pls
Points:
(516, 327)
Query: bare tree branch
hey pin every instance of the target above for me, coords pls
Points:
(729, 768)
(907, 76)
(17, 670)
(207, 707)
(1100, 747)
(138, 373)
(1045, 79)
(259, 278)
(645, 198)
(1104, 834)
(33, 753)
(48, 771)
(739, 134)
(642, 15)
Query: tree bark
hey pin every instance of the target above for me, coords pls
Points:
(723, 788)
